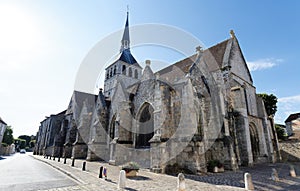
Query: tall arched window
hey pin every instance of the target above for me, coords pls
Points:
(115, 70)
(136, 75)
(124, 69)
(130, 72)
(145, 129)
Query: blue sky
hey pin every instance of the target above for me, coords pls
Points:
(43, 42)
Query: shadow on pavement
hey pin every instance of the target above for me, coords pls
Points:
(2, 158)
(139, 178)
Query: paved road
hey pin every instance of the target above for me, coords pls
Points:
(21, 172)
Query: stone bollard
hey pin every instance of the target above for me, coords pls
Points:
(274, 175)
(58, 159)
(292, 171)
(105, 173)
(122, 180)
(73, 162)
(100, 172)
(181, 182)
(65, 160)
(248, 181)
(83, 166)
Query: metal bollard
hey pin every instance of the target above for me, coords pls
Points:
(50, 157)
(73, 162)
(65, 160)
(83, 166)
(100, 172)
(54, 158)
(58, 159)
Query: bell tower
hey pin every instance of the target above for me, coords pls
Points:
(125, 68)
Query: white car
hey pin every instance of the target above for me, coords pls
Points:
(22, 151)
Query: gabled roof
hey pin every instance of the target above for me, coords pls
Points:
(218, 51)
(1, 121)
(76, 103)
(292, 117)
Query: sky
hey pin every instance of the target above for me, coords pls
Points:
(44, 42)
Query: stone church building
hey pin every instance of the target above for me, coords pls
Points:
(199, 109)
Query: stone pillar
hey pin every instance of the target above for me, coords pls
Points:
(122, 180)
(155, 154)
(181, 182)
(248, 181)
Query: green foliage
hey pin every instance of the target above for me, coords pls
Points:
(20, 143)
(270, 102)
(213, 163)
(8, 137)
(4, 145)
(131, 166)
(281, 133)
(32, 143)
(26, 138)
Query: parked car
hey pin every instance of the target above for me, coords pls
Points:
(22, 151)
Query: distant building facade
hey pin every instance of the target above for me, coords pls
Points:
(2, 130)
(292, 123)
(199, 109)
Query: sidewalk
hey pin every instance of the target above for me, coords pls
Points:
(145, 181)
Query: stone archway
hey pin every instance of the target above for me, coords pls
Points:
(254, 138)
(145, 126)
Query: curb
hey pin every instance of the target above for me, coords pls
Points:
(79, 181)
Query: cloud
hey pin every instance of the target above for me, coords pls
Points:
(291, 99)
(263, 64)
(287, 106)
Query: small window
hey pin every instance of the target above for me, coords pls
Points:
(115, 70)
(124, 69)
(136, 75)
(130, 72)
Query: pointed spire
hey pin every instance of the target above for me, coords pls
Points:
(125, 43)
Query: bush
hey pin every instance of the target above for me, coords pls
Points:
(131, 166)
(213, 163)
(4, 144)
(281, 132)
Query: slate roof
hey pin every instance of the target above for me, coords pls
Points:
(127, 57)
(292, 117)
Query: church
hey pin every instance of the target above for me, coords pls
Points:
(199, 109)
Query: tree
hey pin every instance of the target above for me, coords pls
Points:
(281, 132)
(8, 137)
(270, 102)
(20, 144)
(27, 138)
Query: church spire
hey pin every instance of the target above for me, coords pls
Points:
(125, 43)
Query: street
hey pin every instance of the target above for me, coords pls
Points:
(22, 172)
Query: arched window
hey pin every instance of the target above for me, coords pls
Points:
(110, 73)
(107, 74)
(136, 75)
(145, 129)
(112, 127)
(130, 72)
(115, 70)
(124, 69)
